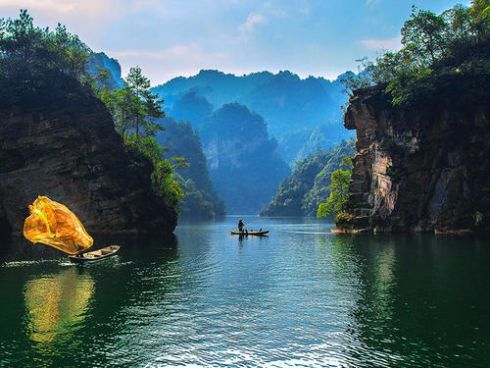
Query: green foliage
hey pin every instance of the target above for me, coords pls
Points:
(308, 185)
(32, 58)
(344, 218)
(480, 16)
(184, 146)
(135, 110)
(429, 41)
(337, 200)
(424, 35)
(162, 177)
(134, 107)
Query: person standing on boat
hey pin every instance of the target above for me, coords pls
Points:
(240, 225)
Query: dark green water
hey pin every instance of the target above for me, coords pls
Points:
(302, 297)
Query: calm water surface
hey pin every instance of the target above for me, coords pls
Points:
(301, 297)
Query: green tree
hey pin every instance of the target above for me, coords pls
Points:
(339, 189)
(32, 58)
(425, 36)
(135, 110)
(164, 183)
(480, 14)
(134, 107)
(138, 84)
(432, 47)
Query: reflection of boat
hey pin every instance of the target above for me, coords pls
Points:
(254, 233)
(95, 255)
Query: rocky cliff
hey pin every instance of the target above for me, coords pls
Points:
(425, 167)
(62, 143)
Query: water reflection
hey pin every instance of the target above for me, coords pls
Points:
(419, 300)
(301, 297)
(56, 306)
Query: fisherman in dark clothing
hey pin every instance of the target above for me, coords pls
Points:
(240, 225)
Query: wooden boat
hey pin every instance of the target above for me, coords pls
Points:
(95, 255)
(253, 233)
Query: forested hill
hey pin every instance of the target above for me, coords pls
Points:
(181, 141)
(286, 102)
(250, 126)
(244, 162)
(302, 114)
(308, 185)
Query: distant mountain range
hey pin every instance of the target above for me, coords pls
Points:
(287, 103)
(252, 126)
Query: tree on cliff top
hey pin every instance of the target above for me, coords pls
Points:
(134, 109)
(33, 57)
(429, 40)
(35, 60)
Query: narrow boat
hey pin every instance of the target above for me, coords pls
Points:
(95, 255)
(253, 233)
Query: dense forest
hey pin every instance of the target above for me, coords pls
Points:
(183, 146)
(301, 193)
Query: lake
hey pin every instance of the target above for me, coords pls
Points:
(300, 297)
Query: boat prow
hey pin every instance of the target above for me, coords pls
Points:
(95, 255)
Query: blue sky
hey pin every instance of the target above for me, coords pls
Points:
(168, 38)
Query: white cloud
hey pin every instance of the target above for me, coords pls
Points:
(382, 44)
(253, 20)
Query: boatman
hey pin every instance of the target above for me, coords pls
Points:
(240, 225)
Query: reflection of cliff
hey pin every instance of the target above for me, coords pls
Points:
(420, 301)
(56, 304)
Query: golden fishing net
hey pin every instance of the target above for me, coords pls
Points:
(53, 224)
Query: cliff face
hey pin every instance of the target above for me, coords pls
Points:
(424, 168)
(63, 145)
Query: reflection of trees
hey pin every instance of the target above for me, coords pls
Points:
(420, 299)
(56, 305)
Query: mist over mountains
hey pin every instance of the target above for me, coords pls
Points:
(291, 106)
(253, 128)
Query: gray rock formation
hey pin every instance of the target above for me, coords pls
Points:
(423, 168)
(63, 145)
